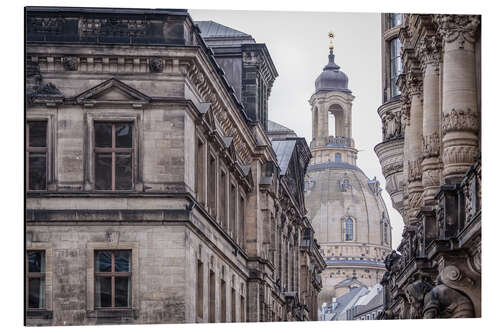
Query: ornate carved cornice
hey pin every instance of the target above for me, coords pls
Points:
(460, 120)
(414, 82)
(458, 27)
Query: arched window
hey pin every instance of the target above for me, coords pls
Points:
(386, 233)
(349, 229)
(338, 158)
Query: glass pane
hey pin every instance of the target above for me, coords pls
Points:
(122, 291)
(103, 134)
(103, 164)
(36, 293)
(123, 135)
(102, 292)
(123, 171)
(37, 133)
(122, 261)
(36, 261)
(37, 171)
(103, 261)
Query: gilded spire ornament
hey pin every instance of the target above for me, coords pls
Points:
(331, 35)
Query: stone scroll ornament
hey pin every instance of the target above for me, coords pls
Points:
(445, 302)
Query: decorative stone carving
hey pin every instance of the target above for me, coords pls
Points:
(415, 294)
(459, 154)
(112, 27)
(391, 125)
(429, 51)
(431, 145)
(156, 65)
(431, 177)
(460, 120)
(70, 63)
(414, 170)
(459, 28)
(445, 302)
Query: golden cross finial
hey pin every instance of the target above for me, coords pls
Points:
(331, 35)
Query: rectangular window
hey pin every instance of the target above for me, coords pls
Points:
(36, 155)
(232, 211)
(212, 177)
(113, 155)
(199, 290)
(35, 279)
(223, 200)
(200, 172)
(223, 307)
(211, 310)
(112, 273)
(395, 65)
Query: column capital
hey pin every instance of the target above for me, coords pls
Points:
(429, 50)
(460, 28)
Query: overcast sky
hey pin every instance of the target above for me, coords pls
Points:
(298, 44)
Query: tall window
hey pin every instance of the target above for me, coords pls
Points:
(212, 177)
(241, 220)
(36, 155)
(113, 278)
(113, 156)
(36, 279)
(200, 171)
(232, 210)
(199, 290)
(338, 158)
(233, 305)
(223, 199)
(223, 307)
(211, 304)
(395, 65)
(395, 19)
(349, 229)
(386, 233)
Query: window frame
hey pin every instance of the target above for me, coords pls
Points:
(41, 275)
(46, 311)
(134, 268)
(393, 77)
(89, 166)
(50, 148)
(113, 275)
(344, 229)
(113, 150)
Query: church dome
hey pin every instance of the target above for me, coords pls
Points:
(332, 78)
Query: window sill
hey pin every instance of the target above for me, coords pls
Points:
(39, 314)
(113, 313)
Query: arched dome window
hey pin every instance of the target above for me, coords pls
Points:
(348, 229)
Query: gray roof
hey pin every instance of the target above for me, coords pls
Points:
(283, 150)
(219, 34)
(347, 299)
(332, 78)
(348, 281)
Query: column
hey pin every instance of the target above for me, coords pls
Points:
(460, 122)
(414, 135)
(429, 53)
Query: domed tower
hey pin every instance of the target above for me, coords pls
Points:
(344, 206)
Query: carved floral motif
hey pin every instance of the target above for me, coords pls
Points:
(70, 63)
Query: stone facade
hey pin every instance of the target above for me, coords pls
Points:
(430, 156)
(215, 228)
(345, 207)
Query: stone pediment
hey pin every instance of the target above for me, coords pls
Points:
(112, 91)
